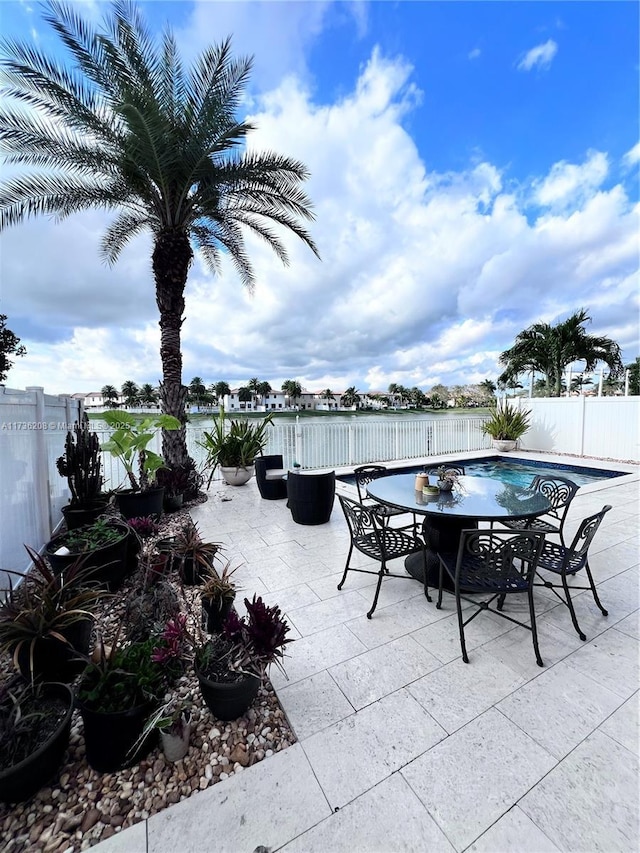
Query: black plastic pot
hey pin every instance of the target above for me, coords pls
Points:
(109, 562)
(228, 701)
(109, 737)
(137, 504)
(214, 616)
(23, 780)
(190, 571)
(172, 503)
(53, 659)
(77, 517)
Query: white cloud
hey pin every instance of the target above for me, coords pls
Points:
(541, 56)
(425, 277)
(474, 54)
(632, 156)
(568, 183)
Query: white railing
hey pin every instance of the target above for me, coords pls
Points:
(604, 427)
(33, 429)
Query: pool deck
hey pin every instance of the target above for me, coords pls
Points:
(403, 747)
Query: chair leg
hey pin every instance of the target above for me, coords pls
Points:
(440, 579)
(463, 645)
(426, 574)
(593, 590)
(346, 567)
(569, 604)
(381, 574)
(534, 629)
(501, 599)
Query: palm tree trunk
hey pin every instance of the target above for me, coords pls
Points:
(172, 256)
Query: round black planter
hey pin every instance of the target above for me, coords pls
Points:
(108, 737)
(23, 780)
(139, 504)
(109, 563)
(214, 616)
(228, 701)
(76, 517)
(53, 659)
(172, 503)
(190, 571)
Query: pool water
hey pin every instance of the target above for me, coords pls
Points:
(516, 472)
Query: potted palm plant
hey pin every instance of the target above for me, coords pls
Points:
(230, 666)
(190, 555)
(506, 425)
(81, 464)
(234, 450)
(35, 724)
(46, 621)
(130, 444)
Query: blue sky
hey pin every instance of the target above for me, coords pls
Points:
(474, 170)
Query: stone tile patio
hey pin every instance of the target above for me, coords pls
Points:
(403, 747)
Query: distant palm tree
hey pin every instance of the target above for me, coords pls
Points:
(263, 389)
(197, 389)
(245, 394)
(110, 396)
(418, 398)
(130, 393)
(292, 389)
(221, 390)
(550, 349)
(351, 398)
(127, 126)
(148, 394)
(488, 389)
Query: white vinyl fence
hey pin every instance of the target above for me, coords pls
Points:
(604, 427)
(33, 428)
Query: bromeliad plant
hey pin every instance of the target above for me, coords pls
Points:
(130, 444)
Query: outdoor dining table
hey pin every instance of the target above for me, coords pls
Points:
(447, 514)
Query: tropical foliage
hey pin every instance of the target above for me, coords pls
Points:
(236, 447)
(121, 123)
(9, 345)
(550, 349)
(507, 423)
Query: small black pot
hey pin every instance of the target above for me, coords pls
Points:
(22, 781)
(78, 516)
(228, 701)
(53, 659)
(137, 504)
(214, 616)
(108, 737)
(172, 503)
(190, 571)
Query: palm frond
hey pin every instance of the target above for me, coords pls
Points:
(123, 229)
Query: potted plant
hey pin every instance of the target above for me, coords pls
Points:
(81, 464)
(120, 688)
(130, 444)
(173, 722)
(506, 425)
(35, 724)
(190, 555)
(47, 620)
(176, 482)
(231, 665)
(234, 450)
(217, 594)
(103, 545)
(447, 478)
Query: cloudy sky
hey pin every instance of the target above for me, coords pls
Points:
(474, 170)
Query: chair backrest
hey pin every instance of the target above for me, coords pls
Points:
(558, 490)
(494, 555)
(361, 521)
(364, 475)
(454, 467)
(579, 548)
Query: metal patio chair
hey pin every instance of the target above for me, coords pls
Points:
(567, 562)
(560, 492)
(496, 562)
(364, 475)
(375, 539)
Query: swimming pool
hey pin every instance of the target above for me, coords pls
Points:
(518, 472)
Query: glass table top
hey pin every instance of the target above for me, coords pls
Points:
(472, 497)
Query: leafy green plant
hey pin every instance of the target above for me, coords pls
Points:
(44, 605)
(507, 423)
(129, 443)
(236, 447)
(89, 537)
(81, 464)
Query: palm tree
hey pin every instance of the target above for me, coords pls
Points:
(130, 393)
(488, 389)
(351, 398)
(148, 394)
(292, 389)
(245, 394)
(263, 389)
(110, 396)
(550, 349)
(125, 126)
(327, 395)
(221, 390)
(197, 389)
